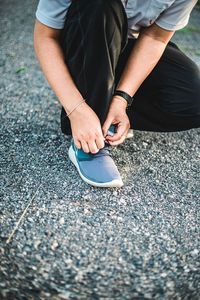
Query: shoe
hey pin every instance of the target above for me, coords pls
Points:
(130, 134)
(98, 169)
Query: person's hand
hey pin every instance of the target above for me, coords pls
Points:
(86, 129)
(117, 115)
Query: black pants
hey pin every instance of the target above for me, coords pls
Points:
(96, 50)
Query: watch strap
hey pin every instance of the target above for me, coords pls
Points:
(124, 95)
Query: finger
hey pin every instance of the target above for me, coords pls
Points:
(77, 144)
(93, 147)
(100, 143)
(106, 126)
(118, 142)
(85, 147)
(121, 131)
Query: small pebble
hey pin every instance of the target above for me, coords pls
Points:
(54, 246)
(195, 252)
(62, 221)
(64, 296)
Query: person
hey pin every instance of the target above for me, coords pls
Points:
(113, 67)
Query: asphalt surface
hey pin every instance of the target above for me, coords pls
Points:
(73, 241)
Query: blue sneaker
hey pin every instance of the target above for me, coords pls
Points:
(96, 169)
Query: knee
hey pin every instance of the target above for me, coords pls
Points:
(109, 15)
(93, 15)
(112, 9)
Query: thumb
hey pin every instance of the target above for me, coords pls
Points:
(106, 125)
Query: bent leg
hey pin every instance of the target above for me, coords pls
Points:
(94, 35)
(169, 99)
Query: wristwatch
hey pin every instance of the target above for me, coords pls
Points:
(124, 95)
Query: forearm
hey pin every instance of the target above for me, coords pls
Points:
(144, 57)
(51, 58)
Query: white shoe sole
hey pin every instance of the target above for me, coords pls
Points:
(113, 183)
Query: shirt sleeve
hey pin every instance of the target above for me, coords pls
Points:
(52, 13)
(177, 15)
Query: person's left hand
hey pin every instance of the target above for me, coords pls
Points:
(117, 115)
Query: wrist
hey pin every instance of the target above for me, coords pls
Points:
(77, 108)
(120, 102)
(123, 94)
(70, 99)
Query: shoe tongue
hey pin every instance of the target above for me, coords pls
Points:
(88, 156)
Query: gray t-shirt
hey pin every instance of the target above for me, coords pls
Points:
(168, 14)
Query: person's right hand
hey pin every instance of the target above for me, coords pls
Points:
(86, 129)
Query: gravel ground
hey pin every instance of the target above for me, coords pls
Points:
(79, 242)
